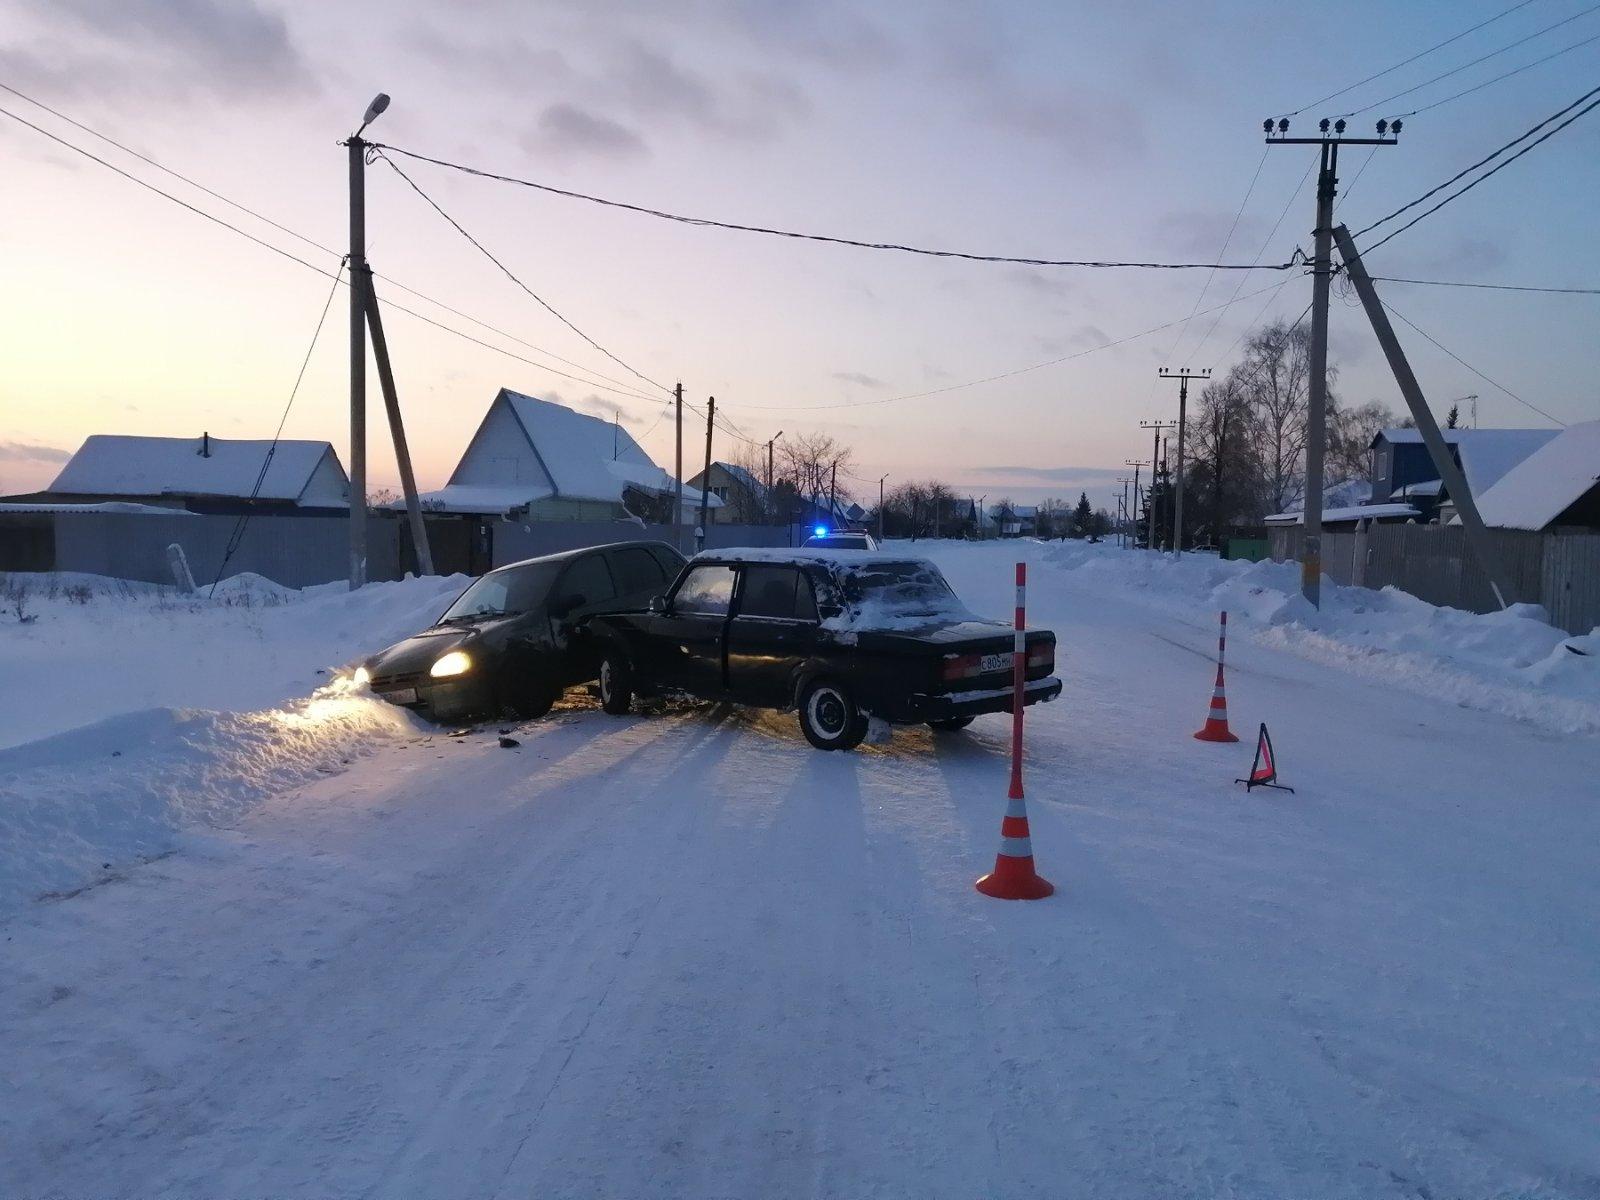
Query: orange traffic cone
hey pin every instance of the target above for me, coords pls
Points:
(1013, 877)
(1216, 726)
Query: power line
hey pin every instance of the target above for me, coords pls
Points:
(705, 222)
(1407, 62)
(1538, 62)
(1226, 242)
(309, 241)
(954, 387)
(295, 258)
(1494, 383)
(509, 274)
(1464, 66)
(1500, 166)
(237, 536)
(1494, 287)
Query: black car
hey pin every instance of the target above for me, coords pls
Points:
(841, 636)
(507, 645)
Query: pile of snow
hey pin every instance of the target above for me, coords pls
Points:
(1512, 662)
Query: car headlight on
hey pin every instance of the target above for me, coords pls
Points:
(362, 677)
(457, 662)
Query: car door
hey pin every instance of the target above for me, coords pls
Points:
(584, 588)
(773, 630)
(687, 640)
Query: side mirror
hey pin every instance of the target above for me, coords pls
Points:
(658, 604)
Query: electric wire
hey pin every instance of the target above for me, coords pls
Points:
(511, 275)
(1407, 62)
(1500, 166)
(295, 258)
(236, 538)
(1226, 242)
(1492, 382)
(1493, 287)
(1486, 159)
(708, 223)
(309, 241)
(1464, 66)
(1478, 87)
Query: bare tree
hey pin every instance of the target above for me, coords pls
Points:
(1350, 434)
(810, 459)
(1275, 377)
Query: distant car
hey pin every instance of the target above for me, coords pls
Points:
(507, 645)
(839, 637)
(842, 539)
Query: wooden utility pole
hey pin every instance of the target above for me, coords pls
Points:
(1182, 376)
(880, 506)
(1321, 277)
(833, 497)
(1157, 461)
(397, 430)
(705, 479)
(767, 508)
(677, 470)
(1455, 482)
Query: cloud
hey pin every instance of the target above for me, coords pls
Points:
(570, 130)
(28, 452)
(654, 87)
(171, 48)
(860, 380)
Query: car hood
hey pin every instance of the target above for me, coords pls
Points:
(421, 650)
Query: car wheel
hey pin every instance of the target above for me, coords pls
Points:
(829, 717)
(950, 724)
(524, 695)
(616, 684)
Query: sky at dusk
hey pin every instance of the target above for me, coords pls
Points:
(1057, 130)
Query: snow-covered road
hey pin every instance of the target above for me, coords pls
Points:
(686, 955)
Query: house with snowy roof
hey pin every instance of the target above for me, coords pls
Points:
(1403, 472)
(1555, 487)
(744, 497)
(203, 475)
(536, 460)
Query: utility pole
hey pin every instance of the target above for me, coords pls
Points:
(771, 441)
(1183, 376)
(1476, 536)
(1132, 520)
(833, 495)
(705, 479)
(1122, 512)
(1321, 277)
(677, 470)
(880, 505)
(397, 429)
(1157, 459)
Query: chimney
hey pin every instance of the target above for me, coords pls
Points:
(205, 445)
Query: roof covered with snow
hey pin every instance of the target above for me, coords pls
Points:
(1547, 482)
(109, 506)
(477, 498)
(1359, 512)
(587, 458)
(1486, 454)
(118, 465)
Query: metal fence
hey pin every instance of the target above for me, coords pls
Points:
(1559, 570)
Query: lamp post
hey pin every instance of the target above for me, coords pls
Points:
(358, 344)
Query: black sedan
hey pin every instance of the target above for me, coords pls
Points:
(507, 646)
(840, 636)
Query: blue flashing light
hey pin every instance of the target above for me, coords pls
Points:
(820, 531)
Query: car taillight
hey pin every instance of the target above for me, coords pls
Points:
(961, 666)
(1042, 656)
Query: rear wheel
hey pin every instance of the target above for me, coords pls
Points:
(950, 724)
(616, 684)
(829, 717)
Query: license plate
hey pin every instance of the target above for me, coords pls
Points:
(401, 696)
(995, 662)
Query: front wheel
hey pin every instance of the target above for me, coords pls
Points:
(616, 688)
(522, 694)
(950, 724)
(829, 717)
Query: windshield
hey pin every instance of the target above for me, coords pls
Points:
(903, 594)
(503, 592)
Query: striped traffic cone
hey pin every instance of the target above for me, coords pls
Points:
(1013, 877)
(1216, 726)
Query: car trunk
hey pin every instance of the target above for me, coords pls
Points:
(964, 656)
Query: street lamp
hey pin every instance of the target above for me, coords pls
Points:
(374, 110)
(358, 343)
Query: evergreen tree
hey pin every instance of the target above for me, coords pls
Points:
(1451, 421)
(1082, 516)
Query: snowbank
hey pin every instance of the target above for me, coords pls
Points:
(1512, 662)
(78, 805)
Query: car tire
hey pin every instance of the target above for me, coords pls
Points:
(829, 717)
(950, 724)
(524, 695)
(616, 684)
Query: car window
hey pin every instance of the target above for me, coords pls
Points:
(508, 590)
(706, 589)
(671, 561)
(776, 592)
(637, 570)
(589, 579)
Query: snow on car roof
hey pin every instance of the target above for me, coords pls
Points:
(802, 554)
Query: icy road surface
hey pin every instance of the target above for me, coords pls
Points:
(686, 955)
